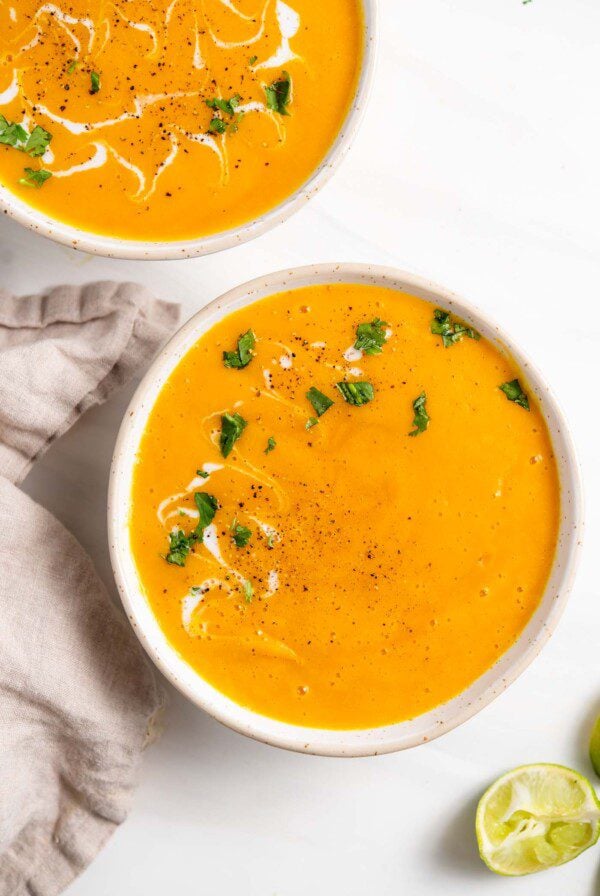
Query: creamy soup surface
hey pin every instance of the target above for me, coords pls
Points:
(170, 119)
(344, 556)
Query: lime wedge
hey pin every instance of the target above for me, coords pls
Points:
(595, 747)
(536, 817)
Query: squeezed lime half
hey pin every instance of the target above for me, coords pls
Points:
(536, 817)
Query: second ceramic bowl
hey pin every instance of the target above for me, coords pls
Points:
(313, 740)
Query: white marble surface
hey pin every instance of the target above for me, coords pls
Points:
(477, 166)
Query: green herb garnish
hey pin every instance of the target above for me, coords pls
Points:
(202, 473)
(312, 421)
(279, 94)
(252, 60)
(270, 541)
(217, 126)
(370, 338)
(357, 393)
(207, 507)
(226, 106)
(421, 419)
(35, 177)
(248, 591)
(449, 329)
(320, 402)
(514, 392)
(72, 66)
(15, 135)
(94, 82)
(232, 426)
(180, 546)
(243, 355)
(240, 534)
(271, 443)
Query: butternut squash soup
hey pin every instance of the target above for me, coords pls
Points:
(345, 506)
(161, 120)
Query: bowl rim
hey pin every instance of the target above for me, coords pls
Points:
(114, 247)
(353, 742)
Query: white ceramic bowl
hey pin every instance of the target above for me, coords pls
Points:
(118, 248)
(311, 740)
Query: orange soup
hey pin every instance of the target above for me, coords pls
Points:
(345, 506)
(170, 119)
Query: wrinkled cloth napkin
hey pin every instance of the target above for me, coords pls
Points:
(78, 699)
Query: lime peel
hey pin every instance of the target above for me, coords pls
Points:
(595, 747)
(536, 817)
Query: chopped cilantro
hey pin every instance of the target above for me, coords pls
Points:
(207, 507)
(279, 94)
(270, 541)
(271, 443)
(248, 591)
(226, 106)
(94, 82)
(232, 426)
(202, 473)
(252, 60)
(217, 126)
(15, 135)
(35, 177)
(72, 66)
(312, 421)
(320, 402)
(421, 419)
(514, 392)
(243, 355)
(449, 329)
(357, 393)
(37, 142)
(180, 546)
(370, 338)
(240, 534)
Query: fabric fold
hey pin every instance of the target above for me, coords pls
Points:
(78, 698)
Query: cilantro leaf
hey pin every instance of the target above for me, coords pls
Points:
(421, 419)
(252, 60)
(202, 473)
(514, 392)
(449, 329)
(226, 106)
(12, 134)
(240, 534)
(72, 66)
(271, 443)
(357, 393)
(37, 142)
(232, 426)
(312, 421)
(248, 591)
(180, 546)
(279, 94)
(244, 354)
(94, 82)
(320, 402)
(370, 338)
(207, 507)
(217, 126)
(35, 177)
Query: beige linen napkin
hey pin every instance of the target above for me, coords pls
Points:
(77, 697)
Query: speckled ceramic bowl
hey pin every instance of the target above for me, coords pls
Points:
(312, 740)
(97, 244)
